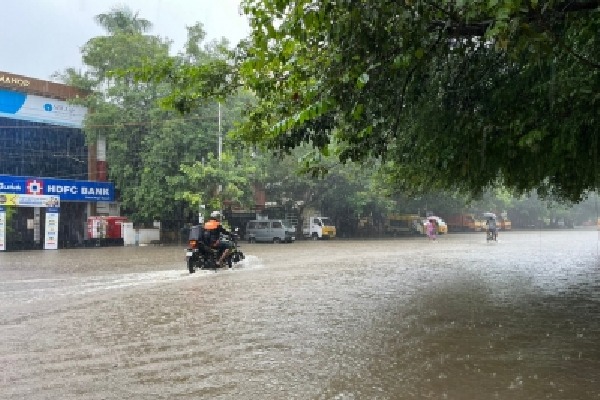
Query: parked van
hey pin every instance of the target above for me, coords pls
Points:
(269, 230)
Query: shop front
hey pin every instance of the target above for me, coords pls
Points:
(47, 213)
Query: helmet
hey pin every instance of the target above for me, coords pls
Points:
(215, 214)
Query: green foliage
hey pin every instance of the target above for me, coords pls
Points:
(123, 20)
(202, 74)
(345, 192)
(9, 214)
(213, 182)
(420, 103)
(155, 154)
(450, 95)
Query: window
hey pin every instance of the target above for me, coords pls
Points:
(36, 149)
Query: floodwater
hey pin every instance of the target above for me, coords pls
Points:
(380, 319)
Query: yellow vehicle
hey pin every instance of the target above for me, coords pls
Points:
(316, 227)
(463, 222)
(442, 227)
(504, 224)
(479, 225)
(402, 224)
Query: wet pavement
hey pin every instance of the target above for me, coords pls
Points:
(379, 319)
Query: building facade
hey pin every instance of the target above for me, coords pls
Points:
(51, 180)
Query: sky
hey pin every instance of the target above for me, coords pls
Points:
(41, 37)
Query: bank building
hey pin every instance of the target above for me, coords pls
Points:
(51, 180)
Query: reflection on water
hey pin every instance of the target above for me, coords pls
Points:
(394, 319)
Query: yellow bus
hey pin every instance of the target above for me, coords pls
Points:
(402, 224)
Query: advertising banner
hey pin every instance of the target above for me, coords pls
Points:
(28, 200)
(65, 189)
(51, 236)
(29, 107)
(2, 228)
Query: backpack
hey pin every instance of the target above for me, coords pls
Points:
(207, 237)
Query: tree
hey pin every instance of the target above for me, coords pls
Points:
(152, 151)
(123, 20)
(213, 182)
(449, 95)
(12, 235)
(345, 193)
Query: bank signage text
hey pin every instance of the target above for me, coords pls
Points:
(66, 190)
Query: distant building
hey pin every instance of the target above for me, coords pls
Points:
(45, 163)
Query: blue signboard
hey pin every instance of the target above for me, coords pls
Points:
(29, 107)
(67, 190)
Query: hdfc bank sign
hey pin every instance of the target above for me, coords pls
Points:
(75, 190)
(66, 189)
(34, 187)
(62, 189)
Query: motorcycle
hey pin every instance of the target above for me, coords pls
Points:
(491, 228)
(201, 256)
(491, 235)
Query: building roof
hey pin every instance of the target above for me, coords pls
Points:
(39, 87)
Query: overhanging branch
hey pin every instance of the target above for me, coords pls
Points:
(459, 29)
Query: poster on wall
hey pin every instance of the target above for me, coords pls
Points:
(2, 228)
(29, 200)
(51, 237)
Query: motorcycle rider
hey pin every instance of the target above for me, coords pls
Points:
(215, 229)
(492, 226)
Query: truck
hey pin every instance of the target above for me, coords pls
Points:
(316, 227)
(398, 224)
(504, 223)
(442, 227)
(463, 222)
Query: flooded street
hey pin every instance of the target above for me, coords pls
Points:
(379, 319)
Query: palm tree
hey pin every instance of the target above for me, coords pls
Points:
(123, 20)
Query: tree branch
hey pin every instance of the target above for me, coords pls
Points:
(574, 5)
(457, 29)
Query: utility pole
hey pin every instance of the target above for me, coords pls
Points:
(220, 144)
(220, 134)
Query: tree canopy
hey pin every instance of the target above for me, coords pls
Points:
(162, 163)
(451, 95)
